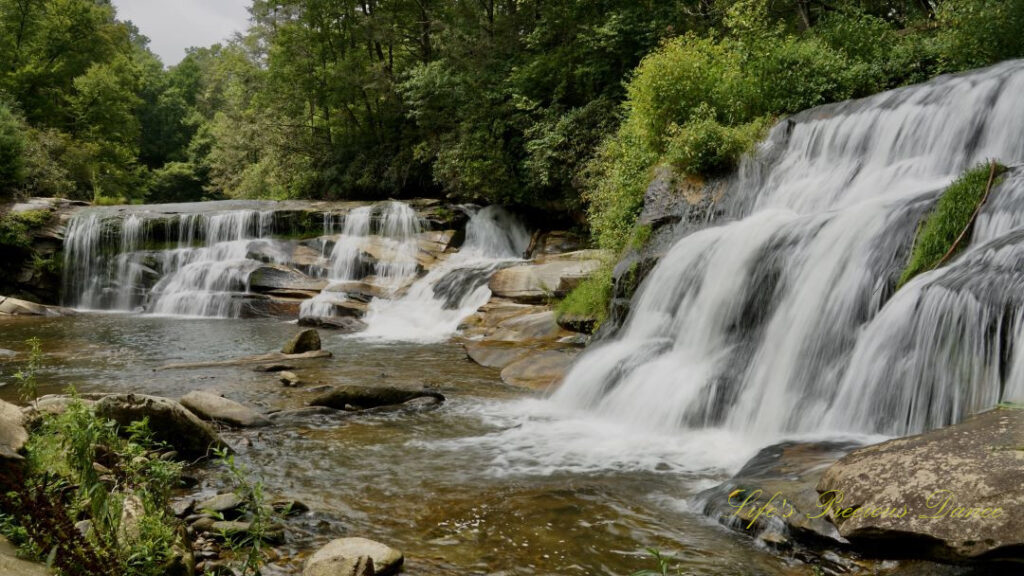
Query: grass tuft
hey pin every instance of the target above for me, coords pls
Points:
(952, 214)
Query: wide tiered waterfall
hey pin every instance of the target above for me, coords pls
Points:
(781, 317)
(325, 262)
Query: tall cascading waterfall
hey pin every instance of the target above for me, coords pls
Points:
(780, 318)
(435, 305)
(203, 273)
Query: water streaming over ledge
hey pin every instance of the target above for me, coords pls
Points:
(198, 260)
(780, 318)
(433, 307)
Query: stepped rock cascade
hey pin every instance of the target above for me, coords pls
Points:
(105, 265)
(378, 241)
(433, 307)
(781, 316)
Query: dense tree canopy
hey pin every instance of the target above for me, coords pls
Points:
(556, 104)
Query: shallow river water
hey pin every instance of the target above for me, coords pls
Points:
(492, 482)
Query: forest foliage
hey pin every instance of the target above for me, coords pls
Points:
(562, 105)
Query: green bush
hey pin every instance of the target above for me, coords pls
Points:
(951, 216)
(591, 298)
(704, 146)
(81, 466)
(975, 33)
(16, 228)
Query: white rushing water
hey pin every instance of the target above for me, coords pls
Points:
(779, 319)
(435, 305)
(203, 272)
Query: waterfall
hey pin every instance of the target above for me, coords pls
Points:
(780, 318)
(380, 242)
(202, 271)
(435, 305)
(207, 280)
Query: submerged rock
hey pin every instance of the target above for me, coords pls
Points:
(305, 341)
(272, 357)
(362, 397)
(342, 324)
(343, 551)
(952, 494)
(169, 421)
(289, 379)
(209, 406)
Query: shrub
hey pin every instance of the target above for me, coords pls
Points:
(591, 298)
(951, 216)
(704, 146)
(977, 33)
(16, 228)
(83, 466)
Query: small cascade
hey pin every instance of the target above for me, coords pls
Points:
(379, 242)
(781, 319)
(435, 305)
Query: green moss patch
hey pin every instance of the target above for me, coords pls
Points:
(952, 215)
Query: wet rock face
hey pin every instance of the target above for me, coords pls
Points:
(953, 494)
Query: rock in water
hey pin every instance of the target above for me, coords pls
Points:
(209, 406)
(343, 551)
(370, 397)
(169, 421)
(305, 341)
(952, 494)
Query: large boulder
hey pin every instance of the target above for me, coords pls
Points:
(13, 437)
(952, 494)
(12, 431)
(169, 421)
(340, 324)
(306, 341)
(362, 397)
(210, 406)
(536, 282)
(339, 553)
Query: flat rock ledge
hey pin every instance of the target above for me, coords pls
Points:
(955, 494)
